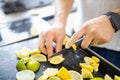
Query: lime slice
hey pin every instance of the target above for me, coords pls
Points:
(50, 72)
(56, 60)
(39, 57)
(107, 77)
(75, 75)
(54, 78)
(86, 66)
(86, 73)
(25, 75)
(97, 78)
(33, 65)
(116, 77)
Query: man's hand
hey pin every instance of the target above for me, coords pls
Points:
(95, 31)
(46, 39)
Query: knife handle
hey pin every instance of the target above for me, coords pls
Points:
(79, 41)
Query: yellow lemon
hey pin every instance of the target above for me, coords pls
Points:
(64, 74)
(107, 77)
(116, 77)
(95, 66)
(86, 74)
(54, 78)
(56, 60)
(35, 51)
(89, 60)
(43, 77)
(97, 60)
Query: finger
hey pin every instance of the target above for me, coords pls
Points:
(59, 44)
(49, 47)
(42, 45)
(87, 40)
(74, 38)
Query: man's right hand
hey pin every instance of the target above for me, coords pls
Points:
(46, 39)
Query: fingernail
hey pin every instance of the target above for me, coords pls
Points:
(67, 46)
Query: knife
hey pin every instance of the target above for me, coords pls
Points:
(77, 43)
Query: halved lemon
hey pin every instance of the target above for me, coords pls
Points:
(116, 77)
(64, 74)
(107, 77)
(50, 72)
(86, 66)
(86, 73)
(75, 75)
(89, 60)
(25, 75)
(39, 57)
(56, 60)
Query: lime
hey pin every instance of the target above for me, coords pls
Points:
(116, 77)
(56, 60)
(107, 77)
(25, 75)
(33, 65)
(64, 74)
(86, 73)
(50, 72)
(75, 75)
(39, 57)
(86, 66)
(54, 78)
(97, 78)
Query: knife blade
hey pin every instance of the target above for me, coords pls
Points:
(77, 43)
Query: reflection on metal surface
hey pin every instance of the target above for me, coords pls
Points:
(22, 29)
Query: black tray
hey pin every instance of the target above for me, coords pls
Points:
(8, 61)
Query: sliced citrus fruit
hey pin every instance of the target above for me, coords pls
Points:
(39, 57)
(35, 51)
(86, 74)
(64, 74)
(33, 31)
(50, 72)
(65, 40)
(107, 77)
(21, 65)
(116, 77)
(25, 75)
(89, 60)
(97, 60)
(95, 66)
(33, 65)
(54, 78)
(56, 60)
(75, 75)
(86, 66)
(43, 77)
(97, 78)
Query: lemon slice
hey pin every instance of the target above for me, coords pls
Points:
(54, 78)
(35, 51)
(50, 72)
(56, 60)
(43, 77)
(116, 77)
(107, 77)
(95, 66)
(89, 60)
(97, 60)
(86, 66)
(64, 74)
(97, 78)
(75, 75)
(65, 40)
(86, 74)
(39, 57)
(25, 75)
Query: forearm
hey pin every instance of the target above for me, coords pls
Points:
(116, 11)
(62, 10)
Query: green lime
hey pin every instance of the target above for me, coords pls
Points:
(97, 78)
(33, 65)
(20, 65)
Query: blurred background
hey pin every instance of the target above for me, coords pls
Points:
(23, 19)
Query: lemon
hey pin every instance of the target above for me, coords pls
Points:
(89, 60)
(97, 60)
(33, 65)
(107, 77)
(86, 73)
(35, 51)
(97, 78)
(25, 75)
(54, 78)
(50, 72)
(116, 77)
(86, 66)
(33, 31)
(65, 40)
(75, 75)
(95, 66)
(39, 57)
(43, 77)
(64, 74)
(56, 60)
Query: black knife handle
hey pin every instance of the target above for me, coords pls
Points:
(79, 41)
